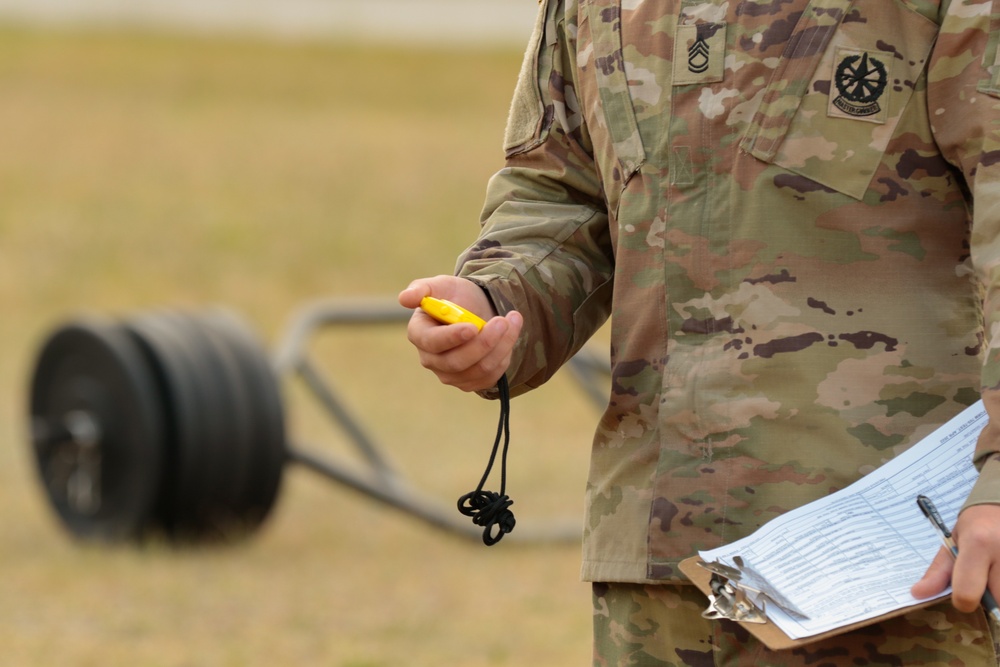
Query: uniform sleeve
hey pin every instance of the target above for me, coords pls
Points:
(964, 108)
(545, 247)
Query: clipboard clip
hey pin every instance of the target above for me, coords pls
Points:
(740, 594)
(728, 601)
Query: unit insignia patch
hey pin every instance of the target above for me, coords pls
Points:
(860, 79)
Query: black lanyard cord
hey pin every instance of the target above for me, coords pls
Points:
(489, 508)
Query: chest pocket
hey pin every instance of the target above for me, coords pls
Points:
(837, 95)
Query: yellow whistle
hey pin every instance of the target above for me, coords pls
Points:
(449, 313)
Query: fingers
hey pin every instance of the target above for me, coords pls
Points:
(978, 562)
(459, 354)
(431, 337)
(479, 362)
(969, 580)
(936, 578)
(977, 565)
(426, 333)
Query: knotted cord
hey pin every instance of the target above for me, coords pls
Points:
(490, 509)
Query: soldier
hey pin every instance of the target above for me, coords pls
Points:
(773, 201)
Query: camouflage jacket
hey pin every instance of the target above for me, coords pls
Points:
(773, 202)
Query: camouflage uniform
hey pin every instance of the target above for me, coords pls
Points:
(772, 200)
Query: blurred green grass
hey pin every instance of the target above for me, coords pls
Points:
(138, 171)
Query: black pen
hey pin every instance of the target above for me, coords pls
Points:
(930, 511)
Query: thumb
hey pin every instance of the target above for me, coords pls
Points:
(411, 296)
(936, 578)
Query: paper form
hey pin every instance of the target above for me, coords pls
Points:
(854, 554)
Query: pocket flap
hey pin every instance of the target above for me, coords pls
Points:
(791, 79)
(829, 112)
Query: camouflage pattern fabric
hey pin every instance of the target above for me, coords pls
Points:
(661, 626)
(773, 202)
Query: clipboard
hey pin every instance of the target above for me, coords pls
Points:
(767, 632)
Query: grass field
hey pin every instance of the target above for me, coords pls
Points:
(139, 171)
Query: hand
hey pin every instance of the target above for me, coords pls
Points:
(977, 536)
(458, 354)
